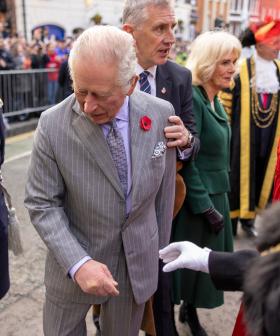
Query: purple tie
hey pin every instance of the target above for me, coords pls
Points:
(117, 149)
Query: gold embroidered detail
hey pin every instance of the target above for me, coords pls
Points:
(263, 117)
(272, 249)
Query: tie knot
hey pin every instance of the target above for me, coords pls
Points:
(113, 123)
(113, 126)
(144, 75)
(144, 82)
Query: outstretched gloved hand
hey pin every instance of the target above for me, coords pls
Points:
(185, 255)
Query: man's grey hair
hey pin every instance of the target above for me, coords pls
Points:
(106, 45)
(135, 11)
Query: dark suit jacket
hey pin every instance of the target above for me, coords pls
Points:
(174, 84)
(227, 270)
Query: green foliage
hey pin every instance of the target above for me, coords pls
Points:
(97, 19)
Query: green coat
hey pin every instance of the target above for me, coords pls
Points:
(207, 184)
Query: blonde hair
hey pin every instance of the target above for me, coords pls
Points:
(207, 50)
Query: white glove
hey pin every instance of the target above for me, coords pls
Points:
(185, 255)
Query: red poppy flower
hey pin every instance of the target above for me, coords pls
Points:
(145, 123)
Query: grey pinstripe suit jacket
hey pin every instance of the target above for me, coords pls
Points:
(75, 199)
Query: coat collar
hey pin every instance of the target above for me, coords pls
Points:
(218, 113)
(92, 137)
(140, 141)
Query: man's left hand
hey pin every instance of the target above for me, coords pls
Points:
(177, 134)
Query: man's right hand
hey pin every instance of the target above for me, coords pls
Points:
(94, 278)
(185, 254)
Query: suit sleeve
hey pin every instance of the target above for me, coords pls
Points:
(227, 270)
(187, 114)
(166, 195)
(197, 195)
(44, 200)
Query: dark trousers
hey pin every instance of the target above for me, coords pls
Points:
(163, 305)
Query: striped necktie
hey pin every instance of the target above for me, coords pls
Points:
(117, 149)
(144, 82)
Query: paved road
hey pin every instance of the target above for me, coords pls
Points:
(21, 309)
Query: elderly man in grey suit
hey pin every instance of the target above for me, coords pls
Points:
(100, 190)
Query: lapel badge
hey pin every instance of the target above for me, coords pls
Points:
(163, 90)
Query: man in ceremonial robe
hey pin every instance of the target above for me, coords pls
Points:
(252, 104)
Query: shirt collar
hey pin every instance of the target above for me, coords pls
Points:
(152, 70)
(123, 112)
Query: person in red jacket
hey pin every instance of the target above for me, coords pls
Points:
(53, 63)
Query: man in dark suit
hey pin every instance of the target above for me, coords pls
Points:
(152, 23)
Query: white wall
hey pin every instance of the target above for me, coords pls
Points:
(183, 12)
(67, 14)
(70, 14)
(110, 10)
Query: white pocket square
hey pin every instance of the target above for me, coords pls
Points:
(159, 149)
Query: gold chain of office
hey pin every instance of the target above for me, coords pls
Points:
(268, 114)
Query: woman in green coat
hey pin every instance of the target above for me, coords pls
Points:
(204, 218)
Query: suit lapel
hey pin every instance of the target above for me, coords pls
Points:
(140, 141)
(163, 83)
(94, 141)
(217, 112)
(219, 115)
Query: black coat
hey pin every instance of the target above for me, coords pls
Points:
(174, 84)
(64, 81)
(227, 270)
(4, 266)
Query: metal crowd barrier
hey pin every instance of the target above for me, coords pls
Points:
(24, 91)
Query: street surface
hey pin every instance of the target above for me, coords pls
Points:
(21, 309)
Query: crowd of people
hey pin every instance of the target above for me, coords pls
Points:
(103, 181)
(17, 53)
(41, 53)
(44, 52)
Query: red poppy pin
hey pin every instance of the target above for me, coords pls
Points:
(145, 123)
